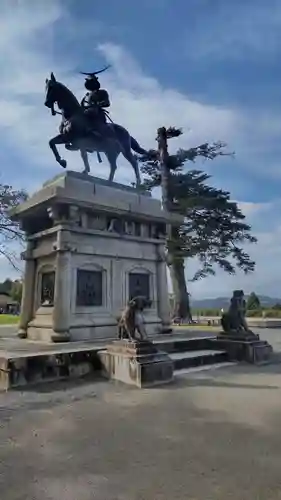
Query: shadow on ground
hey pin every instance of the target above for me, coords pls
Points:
(184, 441)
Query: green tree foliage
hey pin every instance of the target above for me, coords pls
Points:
(277, 306)
(16, 291)
(10, 232)
(12, 288)
(253, 302)
(6, 286)
(214, 228)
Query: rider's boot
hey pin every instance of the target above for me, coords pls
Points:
(71, 147)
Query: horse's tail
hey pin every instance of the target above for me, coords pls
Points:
(124, 137)
(137, 148)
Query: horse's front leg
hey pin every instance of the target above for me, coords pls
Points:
(112, 157)
(84, 156)
(59, 139)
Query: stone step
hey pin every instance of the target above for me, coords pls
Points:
(195, 369)
(191, 359)
(183, 344)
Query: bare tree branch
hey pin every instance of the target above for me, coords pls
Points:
(10, 232)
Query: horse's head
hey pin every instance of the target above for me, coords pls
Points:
(51, 93)
(58, 93)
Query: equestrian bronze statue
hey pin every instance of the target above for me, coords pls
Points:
(84, 127)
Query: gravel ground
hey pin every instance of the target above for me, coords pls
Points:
(211, 436)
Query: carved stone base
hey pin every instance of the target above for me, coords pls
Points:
(46, 334)
(241, 335)
(22, 334)
(137, 363)
(245, 348)
(60, 337)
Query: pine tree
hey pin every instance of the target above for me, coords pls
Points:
(214, 227)
(253, 302)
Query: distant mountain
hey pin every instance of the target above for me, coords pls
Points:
(223, 302)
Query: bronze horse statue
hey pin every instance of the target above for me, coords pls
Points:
(74, 131)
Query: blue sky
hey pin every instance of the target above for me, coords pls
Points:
(211, 67)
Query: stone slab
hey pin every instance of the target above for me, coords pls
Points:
(86, 190)
(95, 180)
(11, 345)
(38, 368)
(24, 363)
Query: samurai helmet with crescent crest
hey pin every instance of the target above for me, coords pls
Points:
(91, 81)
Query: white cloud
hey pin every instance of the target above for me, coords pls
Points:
(237, 30)
(29, 38)
(142, 105)
(252, 209)
(139, 102)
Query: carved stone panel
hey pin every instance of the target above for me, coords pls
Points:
(160, 231)
(89, 290)
(97, 222)
(115, 225)
(145, 230)
(47, 288)
(129, 227)
(139, 285)
(137, 229)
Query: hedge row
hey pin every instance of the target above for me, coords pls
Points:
(257, 313)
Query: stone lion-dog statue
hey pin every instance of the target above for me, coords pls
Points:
(132, 320)
(233, 321)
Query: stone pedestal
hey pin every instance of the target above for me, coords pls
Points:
(62, 297)
(247, 348)
(92, 246)
(28, 291)
(136, 363)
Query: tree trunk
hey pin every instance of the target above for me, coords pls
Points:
(164, 167)
(176, 265)
(182, 309)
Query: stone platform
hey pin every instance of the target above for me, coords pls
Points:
(247, 348)
(24, 363)
(136, 363)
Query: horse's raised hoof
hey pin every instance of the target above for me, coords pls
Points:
(63, 163)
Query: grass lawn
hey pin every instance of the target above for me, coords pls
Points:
(8, 319)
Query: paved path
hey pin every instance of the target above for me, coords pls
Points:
(8, 330)
(209, 436)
